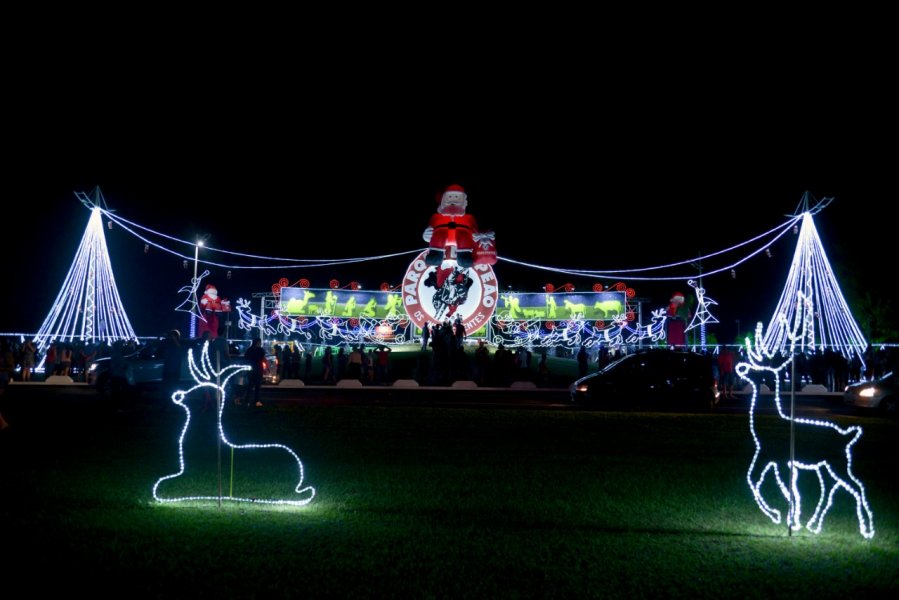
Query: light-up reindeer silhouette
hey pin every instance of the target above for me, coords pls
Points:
(206, 376)
(768, 460)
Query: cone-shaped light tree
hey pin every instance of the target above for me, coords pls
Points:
(88, 307)
(827, 321)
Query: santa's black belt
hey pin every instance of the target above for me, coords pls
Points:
(453, 226)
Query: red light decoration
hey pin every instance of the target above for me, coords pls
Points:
(620, 287)
(385, 287)
(284, 282)
(550, 325)
(354, 322)
(334, 284)
(630, 316)
(597, 287)
(630, 292)
(550, 288)
(304, 283)
(600, 324)
(355, 285)
(276, 288)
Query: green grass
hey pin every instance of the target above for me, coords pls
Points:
(429, 502)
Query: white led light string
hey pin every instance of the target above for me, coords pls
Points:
(764, 463)
(88, 306)
(303, 262)
(781, 230)
(206, 376)
(829, 322)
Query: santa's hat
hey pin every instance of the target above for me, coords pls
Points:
(453, 188)
(677, 297)
(209, 286)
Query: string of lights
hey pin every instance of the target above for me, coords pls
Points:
(305, 263)
(828, 321)
(88, 307)
(765, 460)
(777, 232)
(206, 376)
(132, 227)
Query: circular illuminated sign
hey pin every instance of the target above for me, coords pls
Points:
(449, 292)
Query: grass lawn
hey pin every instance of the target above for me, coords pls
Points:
(424, 502)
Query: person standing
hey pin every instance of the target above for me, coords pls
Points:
(255, 355)
(425, 335)
(582, 361)
(29, 352)
(459, 331)
(726, 372)
(308, 366)
(50, 359)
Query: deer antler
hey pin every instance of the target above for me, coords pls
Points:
(757, 350)
(205, 370)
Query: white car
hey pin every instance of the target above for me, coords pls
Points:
(881, 394)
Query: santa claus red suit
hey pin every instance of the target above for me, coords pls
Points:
(453, 234)
(678, 315)
(210, 307)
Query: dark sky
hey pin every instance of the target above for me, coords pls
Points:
(614, 214)
(568, 174)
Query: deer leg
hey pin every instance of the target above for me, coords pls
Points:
(793, 500)
(852, 485)
(755, 484)
(814, 524)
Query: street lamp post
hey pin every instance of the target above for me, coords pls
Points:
(193, 315)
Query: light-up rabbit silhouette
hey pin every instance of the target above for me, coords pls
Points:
(769, 458)
(205, 376)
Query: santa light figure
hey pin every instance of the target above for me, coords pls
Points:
(678, 315)
(452, 234)
(210, 307)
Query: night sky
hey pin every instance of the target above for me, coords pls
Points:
(571, 187)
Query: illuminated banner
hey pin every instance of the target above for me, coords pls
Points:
(435, 294)
(589, 306)
(311, 302)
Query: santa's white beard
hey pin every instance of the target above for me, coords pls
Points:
(452, 210)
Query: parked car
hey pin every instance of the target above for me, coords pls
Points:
(143, 370)
(650, 379)
(880, 394)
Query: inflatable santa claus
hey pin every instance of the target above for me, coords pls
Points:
(452, 234)
(210, 307)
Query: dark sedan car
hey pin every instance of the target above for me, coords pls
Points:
(652, 379)
(879, 394)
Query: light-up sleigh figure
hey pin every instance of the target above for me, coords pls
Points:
(207, 377)
(769, 459)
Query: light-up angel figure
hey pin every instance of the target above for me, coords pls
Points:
(826, 451)
(205, 376)
(190, 304)
(702, 316)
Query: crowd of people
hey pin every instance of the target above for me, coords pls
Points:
(65, 358)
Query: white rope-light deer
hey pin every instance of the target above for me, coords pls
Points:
(206, 376)
(768, 457)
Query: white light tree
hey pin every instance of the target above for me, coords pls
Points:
(827, 321)
(88, 307)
